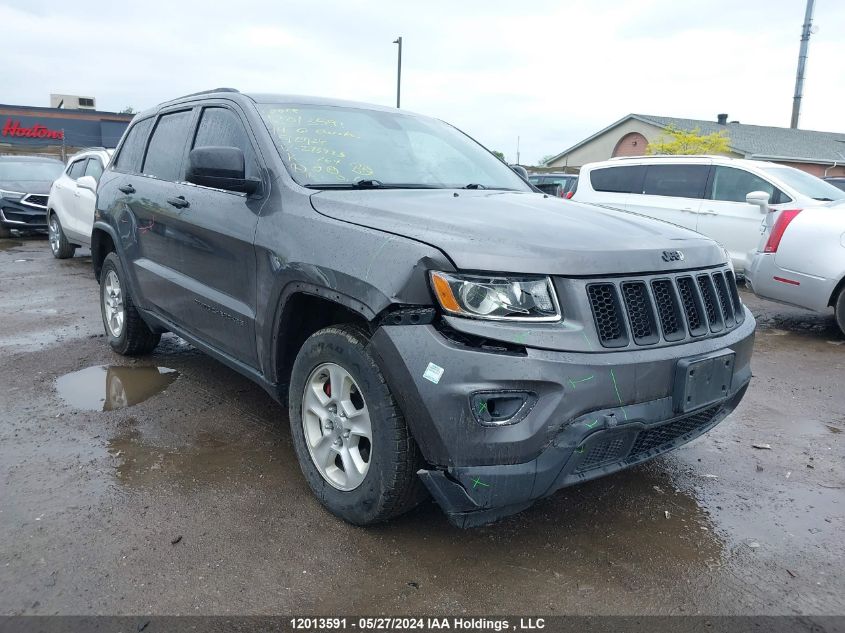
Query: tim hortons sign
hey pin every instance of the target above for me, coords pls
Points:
(14, 128)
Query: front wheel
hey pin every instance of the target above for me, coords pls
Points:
(125, 329)
(61, 248)
(839, 310)
(350, 437)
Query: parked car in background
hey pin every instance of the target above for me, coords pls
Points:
(331, 251)
(837, 182)
(802, 261)
(558, 185)
(70, 208)
(24, 184)
(709, 194)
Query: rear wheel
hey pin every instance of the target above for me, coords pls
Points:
(125, 329)
(350, 437)
(61, 248)
(839, 310)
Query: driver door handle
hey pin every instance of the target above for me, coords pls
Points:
(178, 202)
(127, 188)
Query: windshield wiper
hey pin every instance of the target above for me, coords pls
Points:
(368, 183)
(824, 199)
(473, 185)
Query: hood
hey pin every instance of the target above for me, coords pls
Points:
(27, 186)
(518, 232)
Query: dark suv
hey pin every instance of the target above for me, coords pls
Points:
(24, 188)
(433, 323)
(558, 185)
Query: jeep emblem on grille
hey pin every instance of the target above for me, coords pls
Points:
(673, 256)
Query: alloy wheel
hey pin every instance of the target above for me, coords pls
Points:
(113, 304)
(54, 235)
(337, 427)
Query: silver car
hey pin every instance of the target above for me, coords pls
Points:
(802, 261)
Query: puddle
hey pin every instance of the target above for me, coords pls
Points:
(110, 387)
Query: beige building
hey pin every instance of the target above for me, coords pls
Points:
(819, 153)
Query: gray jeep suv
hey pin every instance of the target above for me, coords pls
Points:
(434, 324)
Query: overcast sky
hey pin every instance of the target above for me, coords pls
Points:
(551, 73)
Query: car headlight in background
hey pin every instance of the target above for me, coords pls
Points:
(498, 298)
(11, 195)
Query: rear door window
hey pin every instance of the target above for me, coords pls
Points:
(627, 179)
(221, 127)
(677, 181)
(732, 185)
(167, 146)
(132, 150)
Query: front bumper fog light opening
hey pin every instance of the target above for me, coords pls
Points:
(501, 408)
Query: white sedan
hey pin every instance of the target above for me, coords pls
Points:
(803, 260)
(70, 208)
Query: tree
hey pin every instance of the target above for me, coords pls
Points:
(674, 140)
(499, 155)
(128, 110)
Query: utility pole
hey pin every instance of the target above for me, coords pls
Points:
(806, 31)
(398, 40)
(517, 150)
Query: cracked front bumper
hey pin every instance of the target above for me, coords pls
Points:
(595, 413)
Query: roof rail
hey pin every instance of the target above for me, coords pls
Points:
(672, 156)
(206, 92)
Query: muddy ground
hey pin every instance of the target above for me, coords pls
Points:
(191, 501)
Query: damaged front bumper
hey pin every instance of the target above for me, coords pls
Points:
(586, 414)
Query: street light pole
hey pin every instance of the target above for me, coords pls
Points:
(806, 31)
(398, 40)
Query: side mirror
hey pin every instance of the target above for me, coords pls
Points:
(759, 198)
(520, 171)
(87, 182)
(220, 168)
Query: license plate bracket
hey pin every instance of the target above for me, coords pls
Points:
(703, 380)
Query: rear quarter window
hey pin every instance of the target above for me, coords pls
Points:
(132, 150)
(623, 179)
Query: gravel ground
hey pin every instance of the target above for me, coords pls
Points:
(191, 500)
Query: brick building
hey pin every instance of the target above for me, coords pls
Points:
(819, 153)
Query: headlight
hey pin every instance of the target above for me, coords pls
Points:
(11, 195)
(497, 298)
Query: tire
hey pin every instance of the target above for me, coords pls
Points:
(59, 245)
(131, 336)
(839, 310)
(390, 486)
(5, 232)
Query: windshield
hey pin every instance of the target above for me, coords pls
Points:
(805, 183)
(339, 147)
(30, 170)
